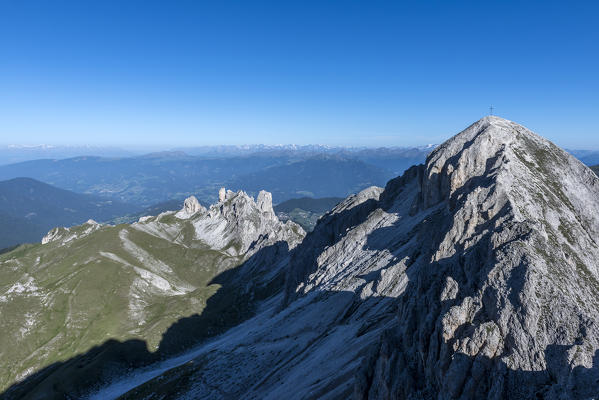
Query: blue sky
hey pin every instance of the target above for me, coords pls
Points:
(180, 73)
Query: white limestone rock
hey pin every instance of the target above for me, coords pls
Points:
(264, 202)
(239, 223)
(64, 235)
(191, 206)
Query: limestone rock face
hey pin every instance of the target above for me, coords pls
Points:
(191, 205)
(264, 201)
(502, 292)
(239, 224)
(64, 235)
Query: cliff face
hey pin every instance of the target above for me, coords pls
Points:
(491, 250)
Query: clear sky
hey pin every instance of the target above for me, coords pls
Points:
(179, 73)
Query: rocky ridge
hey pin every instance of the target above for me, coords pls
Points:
(145, 281)
(472, 276)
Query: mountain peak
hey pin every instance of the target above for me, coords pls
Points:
(494, 147)
(191, 205)
(487, 252)
(497, 129)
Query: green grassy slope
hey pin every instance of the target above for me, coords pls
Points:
(65, 299)
(99, 299)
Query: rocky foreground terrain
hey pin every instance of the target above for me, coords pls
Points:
(472, 276)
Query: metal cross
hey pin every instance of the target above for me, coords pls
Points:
(491, 110)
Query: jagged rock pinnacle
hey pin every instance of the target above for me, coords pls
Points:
(191, 206)
(264, 202)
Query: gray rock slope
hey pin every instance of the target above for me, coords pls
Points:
(473, 276)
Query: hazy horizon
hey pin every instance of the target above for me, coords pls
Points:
(140, 150)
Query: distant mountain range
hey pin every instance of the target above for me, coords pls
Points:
(319, 176)
(122, 189)
(154, 178)
(29, 209)
(310, 149)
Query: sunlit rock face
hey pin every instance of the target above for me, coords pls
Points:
(191, 206)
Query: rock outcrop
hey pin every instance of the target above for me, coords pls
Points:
(264, 201)
(239, 224)
(191, 205)
(65, 235)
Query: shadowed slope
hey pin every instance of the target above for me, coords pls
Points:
(239, 290)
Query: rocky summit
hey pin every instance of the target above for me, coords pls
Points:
(472, 276)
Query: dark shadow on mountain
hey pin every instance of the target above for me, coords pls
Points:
(70, 379)
(241, 287)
